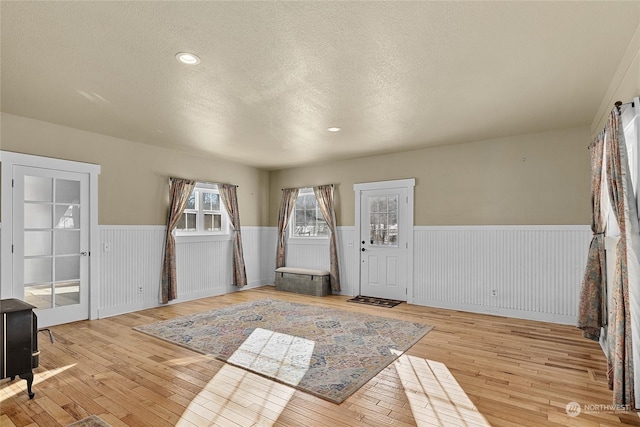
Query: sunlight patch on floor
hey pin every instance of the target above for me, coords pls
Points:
(182, 361)
(235, 396)
(20, 386)
(276, 355)
(435, 397)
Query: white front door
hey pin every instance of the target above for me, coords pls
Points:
(385, 226)
(51, 243)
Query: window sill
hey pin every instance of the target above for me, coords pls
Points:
(201, 237)
(308, 241)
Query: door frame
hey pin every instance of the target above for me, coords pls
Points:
(409, 184)
(10, 159)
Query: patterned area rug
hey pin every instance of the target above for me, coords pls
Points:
(92, 421)
(380, 302)
(326, 352)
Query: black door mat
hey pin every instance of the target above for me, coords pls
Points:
(380, 302)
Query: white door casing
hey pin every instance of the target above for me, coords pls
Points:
(384, 218)
(73, 177)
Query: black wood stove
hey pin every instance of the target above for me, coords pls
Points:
(19, 339)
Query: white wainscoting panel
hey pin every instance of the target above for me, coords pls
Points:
(134, 261)
(259, 245)
(204, 268)
(130, 258)
(535, 271)
(349, 259)
(307, 253)
(532, 272)
(314, 254)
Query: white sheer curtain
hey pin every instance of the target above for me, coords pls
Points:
(630, 124)
(630, 119)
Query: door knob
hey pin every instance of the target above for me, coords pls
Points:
(83, 254)
(363, 249)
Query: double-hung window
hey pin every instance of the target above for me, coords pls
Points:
(307, 217)
(204, 213)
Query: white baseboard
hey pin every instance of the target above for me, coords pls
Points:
(498, 311)
(145, 305)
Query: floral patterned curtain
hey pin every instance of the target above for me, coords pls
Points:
(620, 354)
(229, 197)
(179, 192)
(324, 196)
(591, 312)
(289, 197)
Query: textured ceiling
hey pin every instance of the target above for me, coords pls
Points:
(274, 75)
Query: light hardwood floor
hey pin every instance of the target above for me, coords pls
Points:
(471, 370)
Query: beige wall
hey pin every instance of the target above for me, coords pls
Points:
(467, 184)
(530, 179)
(624, 86)
(133, 184)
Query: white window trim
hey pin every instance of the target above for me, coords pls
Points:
(202, 235)
(195, 237)
(301, 240)
(319, 240)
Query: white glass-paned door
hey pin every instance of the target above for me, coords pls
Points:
(51, 241)
(383, 249)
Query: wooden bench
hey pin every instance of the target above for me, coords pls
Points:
(303, 281)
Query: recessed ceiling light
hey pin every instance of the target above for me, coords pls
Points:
(334, 129)
(187, 58)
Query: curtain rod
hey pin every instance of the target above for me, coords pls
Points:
(620, 104)
(305, 186)
(201, 182)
